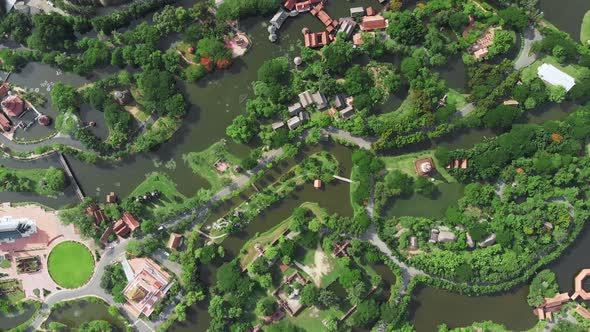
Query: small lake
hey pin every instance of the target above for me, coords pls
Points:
(428, 207)
(75, 314)
(567, 16)
(431, 307)
(9, 321)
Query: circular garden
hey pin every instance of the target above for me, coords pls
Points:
(70, 264)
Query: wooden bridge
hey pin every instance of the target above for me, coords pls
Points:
(71, 176)
(342, 178)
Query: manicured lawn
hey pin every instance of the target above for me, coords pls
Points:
(531, 71)
(70, 264)
(158, 181)
(16, 290)
(405, 163)
(456, 98)
(585, 31)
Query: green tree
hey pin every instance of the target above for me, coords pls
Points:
(309, 295)
(544, 285)
(337, 56)
(52, 32)
(266, 306)
(501, 117)
(514, 18)
(242, 129)
(406, 28)
(96, 326)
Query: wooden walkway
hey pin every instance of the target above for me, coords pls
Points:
(342, 178)
(71, 176)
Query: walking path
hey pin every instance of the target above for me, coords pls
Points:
(525, 57)
(408, 272)
(92, 288)
(363, 142)
(58, 139)
(466, 110)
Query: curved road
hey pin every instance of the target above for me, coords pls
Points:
(92, 288)
(58, 139)
(525, 57)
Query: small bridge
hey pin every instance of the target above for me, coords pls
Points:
(71, 176)
(342, 178)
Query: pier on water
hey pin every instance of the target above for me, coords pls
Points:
(71, 176)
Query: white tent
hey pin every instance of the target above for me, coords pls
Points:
(554, 76)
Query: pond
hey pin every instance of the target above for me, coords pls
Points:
(9, 321)
(566, 16)
(75, 314)
(428, 207)
(431, 307)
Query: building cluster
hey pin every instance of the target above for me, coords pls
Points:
(298, 111)
(147, 285)
(121, 227)
(368, 20)
(481, 48)
(13, 108)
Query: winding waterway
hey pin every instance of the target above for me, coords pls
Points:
(219, 98)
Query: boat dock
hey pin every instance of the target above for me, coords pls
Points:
(71, 176)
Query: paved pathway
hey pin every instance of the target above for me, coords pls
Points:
(92, 288)
(363, 142)
(525, 57)
(408, 272)
(58, 139)
(466, 110)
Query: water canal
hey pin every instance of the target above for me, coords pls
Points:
(9, 321)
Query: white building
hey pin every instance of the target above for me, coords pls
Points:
(553, 76)
(15, 228)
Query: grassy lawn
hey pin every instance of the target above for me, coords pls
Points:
(310, 318)
(158, 181)
(70, 264)
(29, 180)
(405, 163)
(5, 264)
(138, 113)
(585, 31)
(457, 98)
(203, 163)
(531, 71)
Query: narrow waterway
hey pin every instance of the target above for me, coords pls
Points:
(9, 321)
(565, 16)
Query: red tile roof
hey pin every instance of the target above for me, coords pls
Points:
(371, 11)
(13, 106)
(4, 89)
(373, 23)
(121, 228)
(130, 221)
(290, 4)
(174, 241)
(5, 123)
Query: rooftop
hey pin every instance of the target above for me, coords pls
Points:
(553, 76)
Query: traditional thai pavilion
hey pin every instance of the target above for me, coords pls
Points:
(376, 22)
(148, 285)
(174, 241)
(13, 106)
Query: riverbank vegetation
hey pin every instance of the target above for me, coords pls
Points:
(216, 164)
(49, 181)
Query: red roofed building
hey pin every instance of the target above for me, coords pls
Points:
(303, 6)
(371, 11)
(174, 241)
(374, 23)
(120, 228)
(149, 285)
(97, 213)
(13, 106)
(317, 39)
(130, 221)
(290, 4)
(4, 89)
(5, 123)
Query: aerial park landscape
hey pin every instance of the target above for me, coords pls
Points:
(317, 165)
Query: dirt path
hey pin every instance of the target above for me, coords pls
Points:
(321, 266)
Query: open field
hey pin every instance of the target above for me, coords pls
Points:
(405, 163)
(161, 182)
(585, 30)
(70, 264)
